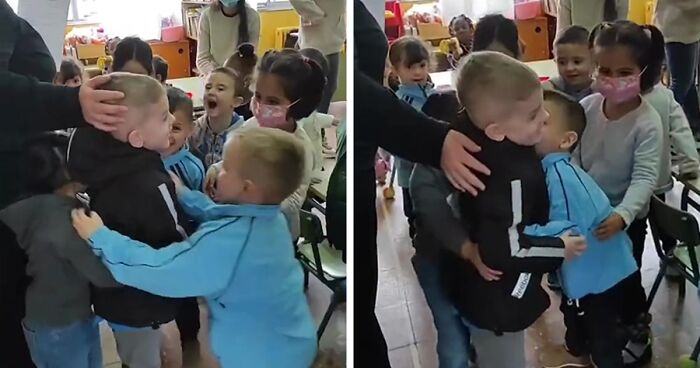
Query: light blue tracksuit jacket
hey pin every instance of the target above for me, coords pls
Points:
(574, 196)
(241, 260)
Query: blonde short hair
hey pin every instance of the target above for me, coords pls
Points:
(493, 75)
(139, 90)
(272, 158)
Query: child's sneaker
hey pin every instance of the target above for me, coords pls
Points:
(636, 355)
(559, 357)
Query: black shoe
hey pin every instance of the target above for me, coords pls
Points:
(634, 360)
(472, 354)
(553, 282)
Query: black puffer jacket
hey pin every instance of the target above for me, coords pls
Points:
(130, 189)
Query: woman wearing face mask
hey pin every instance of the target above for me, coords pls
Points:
(223, 26)
(288, 88)
(621, 149)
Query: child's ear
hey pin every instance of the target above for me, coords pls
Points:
(135, 139)
(495, 132)
(569, 140)
(237, 101)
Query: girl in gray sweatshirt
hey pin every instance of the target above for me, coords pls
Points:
(621, 149)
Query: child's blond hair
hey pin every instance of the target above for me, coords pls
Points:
(495, 76)
(139, 90)
(271, 158)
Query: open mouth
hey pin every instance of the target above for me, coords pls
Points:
(211, 104)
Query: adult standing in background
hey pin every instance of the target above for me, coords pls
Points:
(679, 21)
(223, 26)
(382, 120)
(590, 13)
(323, 28)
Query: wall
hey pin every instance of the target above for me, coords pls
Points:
(270, 20)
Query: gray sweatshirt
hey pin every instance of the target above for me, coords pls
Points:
(623, 156)
(60, 263)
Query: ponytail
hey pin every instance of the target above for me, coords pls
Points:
(610, 11)
(303, 79)
(243, 32)
(655, 57)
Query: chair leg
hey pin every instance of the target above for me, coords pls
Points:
(696, 351)
(335, 300)
(681, 290)
(306, 279)
(657, 283)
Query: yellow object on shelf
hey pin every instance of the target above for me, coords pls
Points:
(388, 14)
(281, 35)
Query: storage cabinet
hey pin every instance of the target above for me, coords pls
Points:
(535, 34)
(177, 55)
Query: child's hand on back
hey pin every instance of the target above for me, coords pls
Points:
(470, 252)
(86, 225)
(574, 245)
(611, 226)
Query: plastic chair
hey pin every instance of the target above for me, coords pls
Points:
(319, 258)
(682, 227)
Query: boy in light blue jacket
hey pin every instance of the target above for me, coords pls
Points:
(590, 282)
(240, 259)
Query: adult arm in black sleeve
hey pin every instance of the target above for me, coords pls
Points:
(34, 106)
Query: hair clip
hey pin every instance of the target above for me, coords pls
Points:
(647, 32)
(306, 59)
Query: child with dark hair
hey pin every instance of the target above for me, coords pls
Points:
(574, 63)
(219, 119)
(133, 55)
(59, 324)
(160, 69)
(495, 32)
(70, 73)
(243, 62)
(621, 149)
(461, 29)
(410, 59)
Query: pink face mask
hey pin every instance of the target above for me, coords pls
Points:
(270, 116)
(620, 89)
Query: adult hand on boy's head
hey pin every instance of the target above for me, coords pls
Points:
(611, 226)
(574, 246)
(458, 163)
(98, 106)
(470, 252)
(86, 225)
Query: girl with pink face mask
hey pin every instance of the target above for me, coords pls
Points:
(288, 88)
(621, 149)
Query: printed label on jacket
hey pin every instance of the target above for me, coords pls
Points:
(521, 285)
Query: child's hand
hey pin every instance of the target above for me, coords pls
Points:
(210, 180)
(86, 225)
(574, 246)
(470, 252)
(176, 180)
(611, 226)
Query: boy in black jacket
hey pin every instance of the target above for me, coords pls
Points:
(504, 114)
(129, 186)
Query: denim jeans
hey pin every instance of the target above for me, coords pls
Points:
(683, 65)
(452, 333)
(74, 346)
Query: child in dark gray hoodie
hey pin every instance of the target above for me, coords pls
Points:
(59, 325)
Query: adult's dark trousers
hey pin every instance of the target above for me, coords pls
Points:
(634, 306)
(683, 65)
(332, 83)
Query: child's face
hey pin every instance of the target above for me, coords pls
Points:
(220, 95)
(73, 82)
(268, 91)
(152, 126)
(414, 74)
(555, 136)
(179, 132)
(462, 30)
(575, 63)
(615, 62)
(522, 123)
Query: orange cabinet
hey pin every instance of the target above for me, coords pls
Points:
(177, 54)
(534, 33)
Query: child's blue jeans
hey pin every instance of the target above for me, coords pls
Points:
(452, 333)
(74, 346)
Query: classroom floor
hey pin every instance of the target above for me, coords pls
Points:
(408, 327)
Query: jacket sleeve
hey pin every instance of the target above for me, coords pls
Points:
(205, 61)
(198, 266)
(518, 251)
(380, 114)
(682, 140)
(561, 194)
(78, 253)
(32, 106)
(195, 204)
(308, 10)
(429, 190)
(563, 14)
(645, 172)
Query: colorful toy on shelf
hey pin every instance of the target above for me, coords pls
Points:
(423, 13)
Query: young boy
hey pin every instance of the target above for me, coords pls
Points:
(504, 115)
(160, 69)
(574, 62)
(240, 258)
(219, 120)
(128, 184)
(243, 63)
(410, 59)
(591, 282)
(59, 325)
(178, 158)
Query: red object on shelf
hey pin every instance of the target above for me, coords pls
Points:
(172, 34)
(189, 94)
(529, 9)
(544, 79)
(393, 27)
